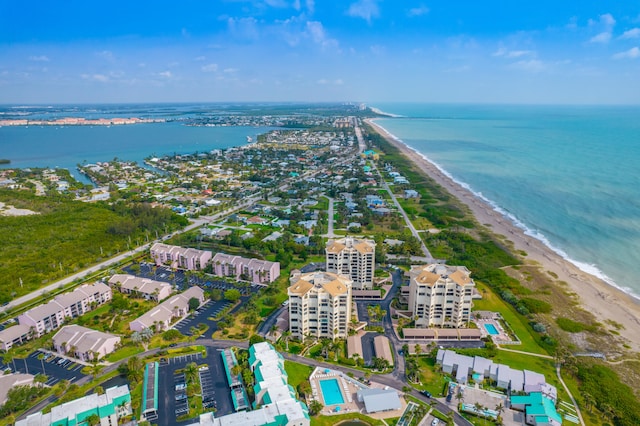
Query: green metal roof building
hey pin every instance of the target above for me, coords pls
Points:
(110, 406)
(539, 410)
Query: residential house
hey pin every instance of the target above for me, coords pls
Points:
(84, 343)
(51, 315)
(162, 316)
(8, 381)
(142, 287)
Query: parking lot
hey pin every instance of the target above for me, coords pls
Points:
(213, 382)
(56, 368)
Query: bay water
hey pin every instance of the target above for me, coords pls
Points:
(567, 175)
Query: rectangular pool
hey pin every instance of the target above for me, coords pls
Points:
(491, 329)
(331, 392)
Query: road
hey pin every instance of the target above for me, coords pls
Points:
(196, 223)
(330, 217)
(385, 185)
(573, 401)
(391, 380)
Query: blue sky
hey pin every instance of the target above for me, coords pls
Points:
(568, 52)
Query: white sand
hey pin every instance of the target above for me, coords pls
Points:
(596, 296)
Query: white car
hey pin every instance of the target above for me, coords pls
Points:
(435, 422)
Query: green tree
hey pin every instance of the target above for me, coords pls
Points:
(315, 407)
(232, 295)
(93, 420)
(194, 304)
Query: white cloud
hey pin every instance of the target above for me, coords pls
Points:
(573, 23)
(230, 70)
(325, 82)
(41, 58)
(606, 20)
(209, 68)
(165, 74)
(603, 37)
(106, 54)
(418, 11)
(311, 6)
(504, 52)
(377, 49)
(199, 58)
(315, 30)
(243, 27)
(632, 53)
(365, 9)
(632, 33)
(532, 65)
(95, 77)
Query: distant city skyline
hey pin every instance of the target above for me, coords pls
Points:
(304, 50)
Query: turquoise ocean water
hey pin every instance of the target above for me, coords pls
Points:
(569, 176)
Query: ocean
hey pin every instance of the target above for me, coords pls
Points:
(567, 175)
(68, 146)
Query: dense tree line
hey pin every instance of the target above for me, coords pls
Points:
(66, 236)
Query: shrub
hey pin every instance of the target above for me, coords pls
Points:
(572, 326)
(536, 306)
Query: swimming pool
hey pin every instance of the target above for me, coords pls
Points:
(491, 329)
(331, 392)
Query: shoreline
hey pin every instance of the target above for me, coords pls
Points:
(596, 295)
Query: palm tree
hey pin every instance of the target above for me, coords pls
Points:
(41, 358)
(191, 372)
(285, 336)
(135, 368)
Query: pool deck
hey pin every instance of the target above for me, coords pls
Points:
(348, 388)
(501, 338)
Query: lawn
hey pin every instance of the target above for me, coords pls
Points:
(430, 378)
(297, 373)
(492, 302)
(125, 352)
(332, 420)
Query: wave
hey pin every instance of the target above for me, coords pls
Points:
(588, 268)
(388, 114)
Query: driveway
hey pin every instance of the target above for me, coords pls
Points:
(216, 385)
(56, 368)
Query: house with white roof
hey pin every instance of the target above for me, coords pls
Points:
(144, 287)
(162, 316)
(84, 343)
(50, 316)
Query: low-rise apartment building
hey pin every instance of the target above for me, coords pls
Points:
(254, 270)
(142, 287)
(354, 258)
(51, 315)
(113, 404)
(179, 257)
(319, 305)
(84, 343)
(160, 317)
(440, 295)
(16, 335)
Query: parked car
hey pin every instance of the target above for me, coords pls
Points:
(426, 393)
(435, 422)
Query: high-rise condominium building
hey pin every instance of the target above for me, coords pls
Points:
(354, 258)
(440, 295)
(319, 305)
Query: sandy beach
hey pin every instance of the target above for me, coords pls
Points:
(596, 296)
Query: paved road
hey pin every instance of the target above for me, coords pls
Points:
(384, 184)
(330, 220)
